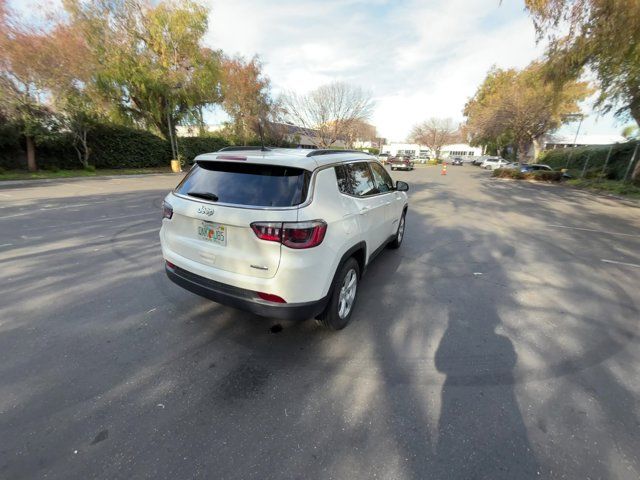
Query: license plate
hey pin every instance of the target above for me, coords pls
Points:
(213, 232)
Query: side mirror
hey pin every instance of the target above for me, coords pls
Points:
(402, 186)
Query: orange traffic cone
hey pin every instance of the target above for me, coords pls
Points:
(444, 169)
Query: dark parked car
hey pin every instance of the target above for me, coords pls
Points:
(535, 167)
(457, 161)
(397, 163)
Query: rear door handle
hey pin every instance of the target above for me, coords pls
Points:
(364, 210)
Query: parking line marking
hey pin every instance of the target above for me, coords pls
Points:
(620, 263)
(595, 231)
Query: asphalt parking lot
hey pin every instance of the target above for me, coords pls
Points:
(500, 341)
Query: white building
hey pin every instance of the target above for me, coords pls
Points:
(407, 149)
(554, 141)
(365, 144)
(421, 151)
(460, 150)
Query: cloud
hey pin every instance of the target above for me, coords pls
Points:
(418, 58)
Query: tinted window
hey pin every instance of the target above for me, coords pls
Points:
(355, 179)
(382, 178)
(248, 184)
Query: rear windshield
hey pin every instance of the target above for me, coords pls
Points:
(247, 184)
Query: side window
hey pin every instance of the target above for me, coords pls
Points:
(381, 177)
(345, 185)
(355, 179)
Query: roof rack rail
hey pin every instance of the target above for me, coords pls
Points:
(251, 148)
(315, 153)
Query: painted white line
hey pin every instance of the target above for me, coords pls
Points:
(620, 263)
(595, 231)
(6, 244)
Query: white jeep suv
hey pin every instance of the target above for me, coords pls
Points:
(279, 232)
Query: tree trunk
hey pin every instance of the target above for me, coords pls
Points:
(635, 176)
(87, 151)
(635, 113)
(32, 166)
(522, 151)
(82, 148)
(537, 147)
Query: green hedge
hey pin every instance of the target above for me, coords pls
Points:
(574, 160)
(115, 146)
(191, 147)
(112, 146)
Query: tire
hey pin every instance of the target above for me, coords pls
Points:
(396, 242)
(393, 168)
(331, 317)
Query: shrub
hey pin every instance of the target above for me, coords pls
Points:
(116, 146)
(544, 176)
(9, 134)
(508, 173)
(51, 167)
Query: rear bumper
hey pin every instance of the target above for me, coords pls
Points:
(243, 299)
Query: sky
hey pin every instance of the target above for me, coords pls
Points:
(419, 59)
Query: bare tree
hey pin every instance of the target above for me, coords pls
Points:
(328, 113)
(435, 133)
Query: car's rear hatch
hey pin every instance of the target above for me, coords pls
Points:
(215, 205)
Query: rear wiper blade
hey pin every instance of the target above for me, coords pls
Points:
(205, 195)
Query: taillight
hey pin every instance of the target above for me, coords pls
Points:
(303, 234)
(292, 234)
(167, 210)
(271, 231)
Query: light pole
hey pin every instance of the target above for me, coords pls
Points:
(575, 139)
(572, 117)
